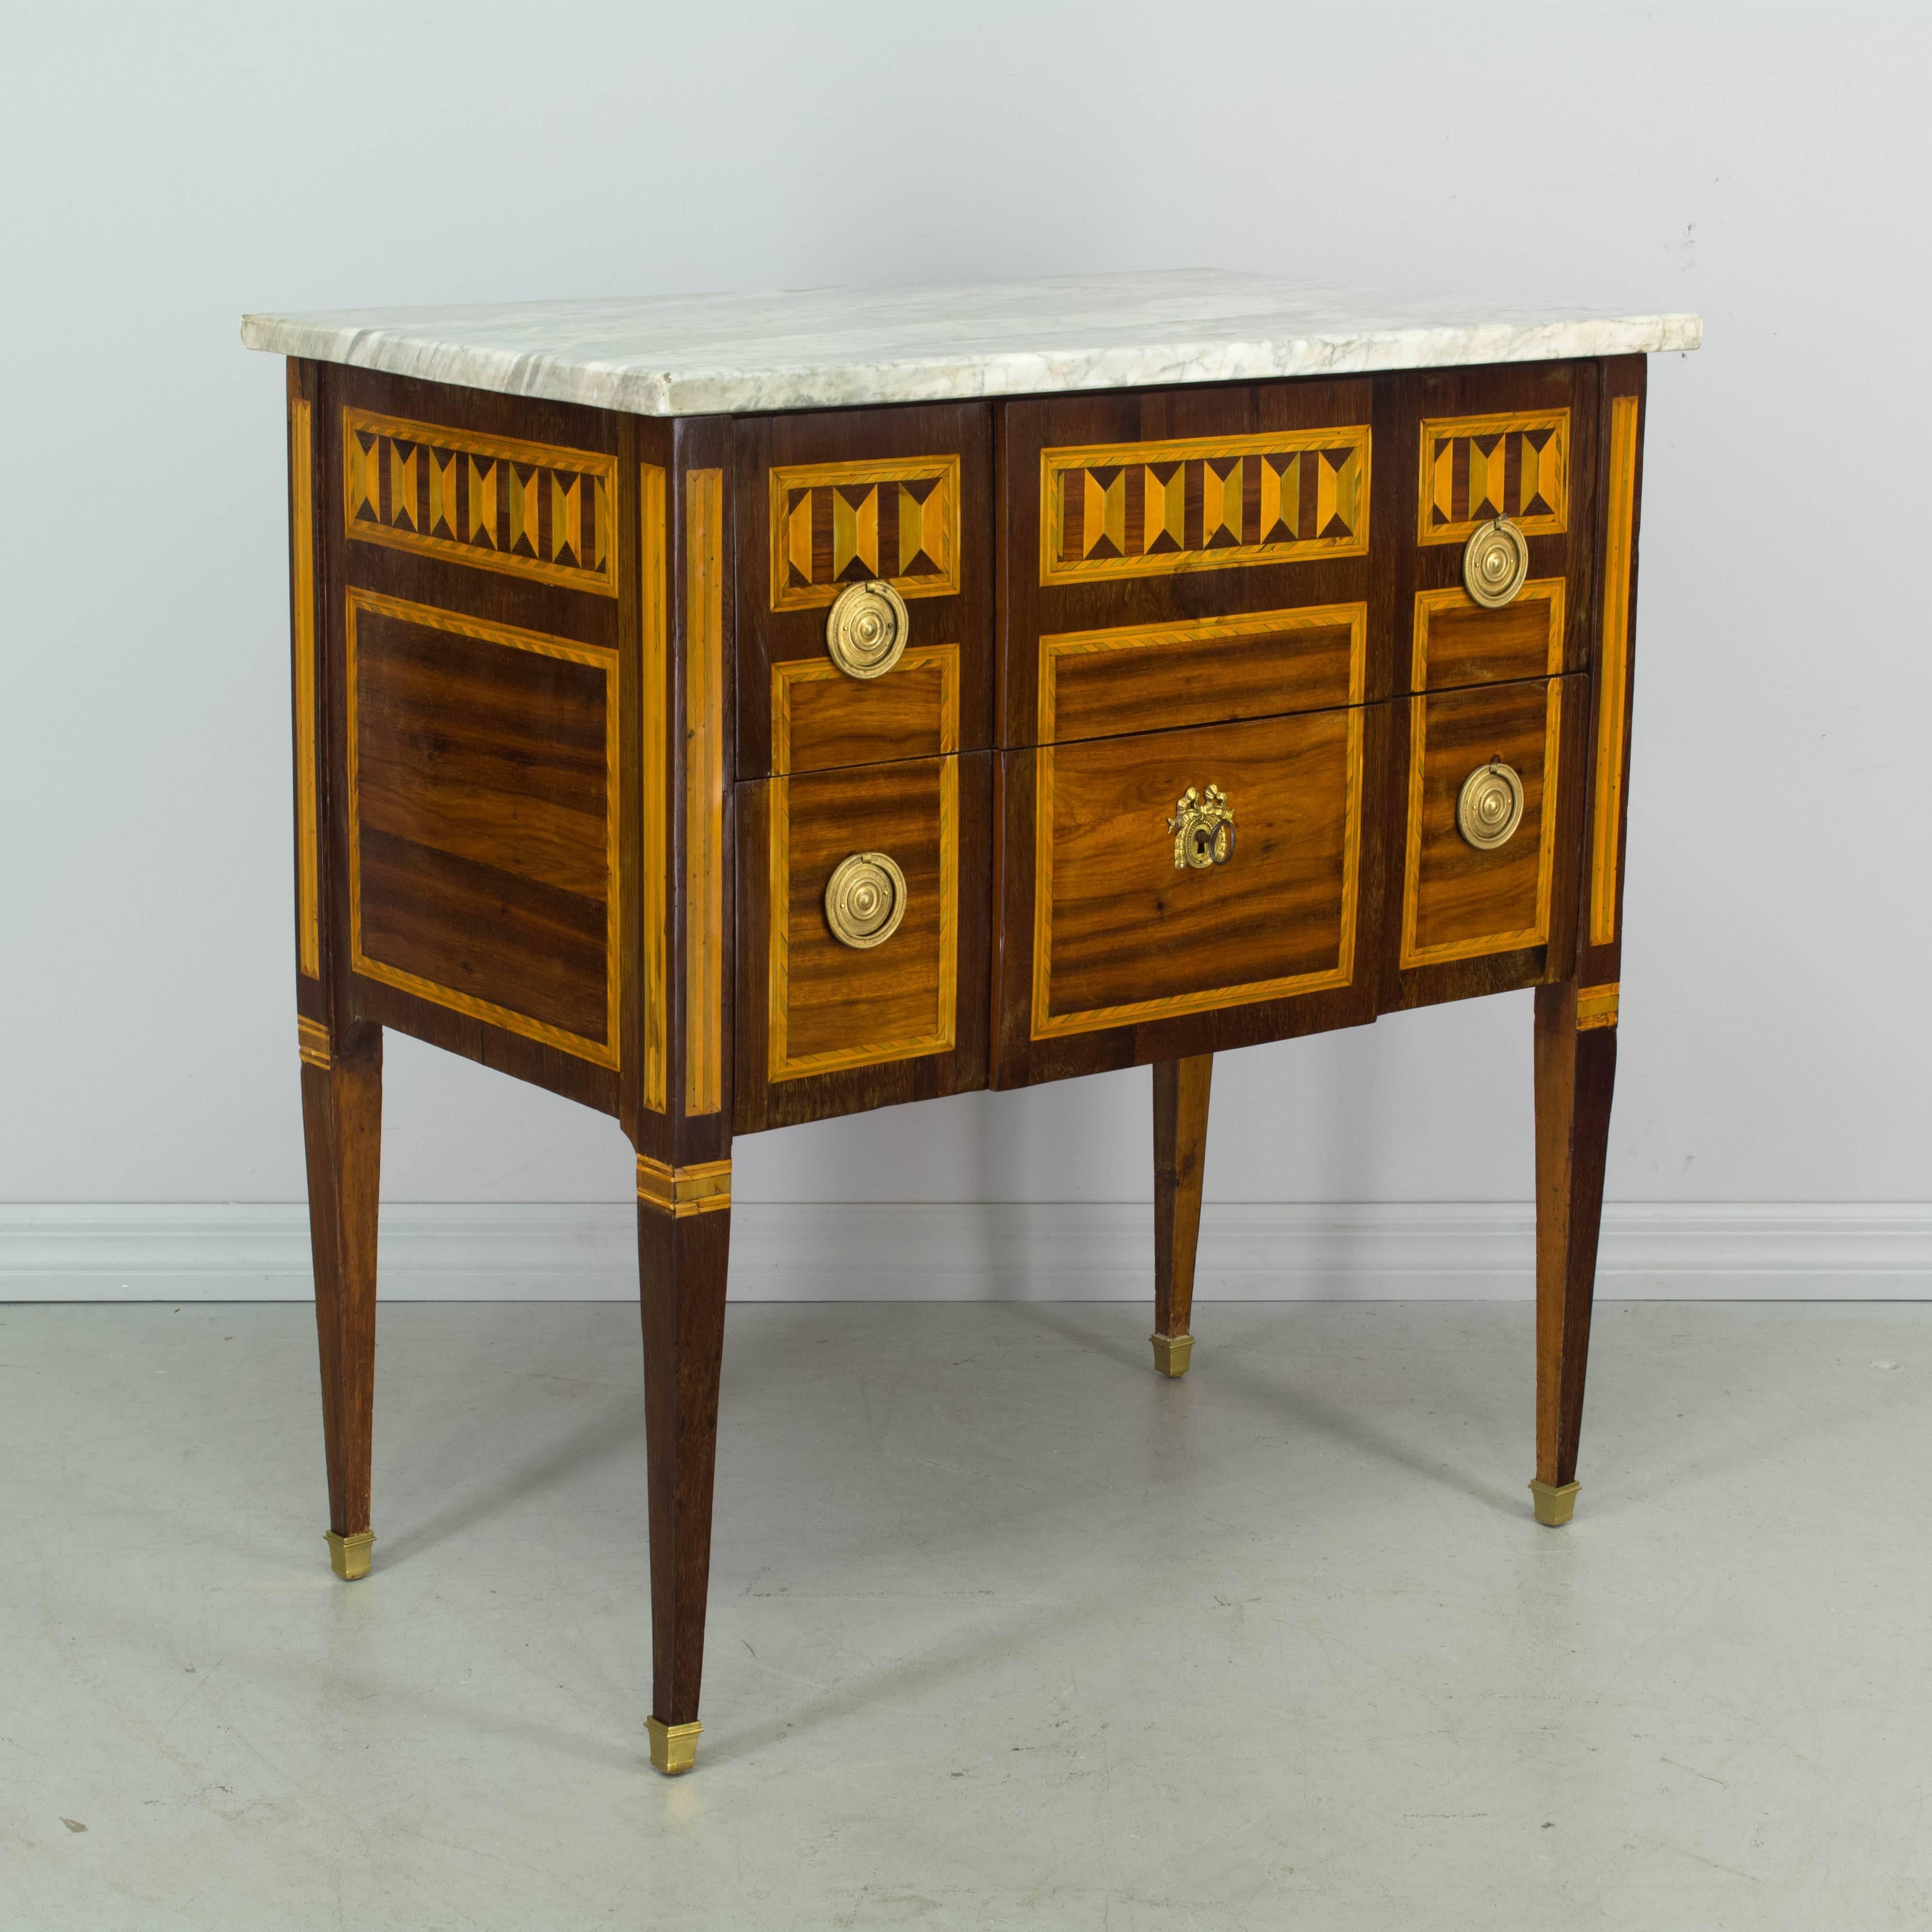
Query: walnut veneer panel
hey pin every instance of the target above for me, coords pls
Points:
(828, 499)
(1120, 935)
(823, 1026)
(1096, 684)
(482, 820)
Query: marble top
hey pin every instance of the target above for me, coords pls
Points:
(943, 341)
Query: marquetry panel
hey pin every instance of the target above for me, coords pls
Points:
(836, 523)
(653, 552)
(1613, 670)
(830, 1005)
(1121, 935)
(301, 588)
(1144, 509)
(1459, 902)
(704, 791)
(1151, 677)
(483, 808)
(1456, 641)
(1476, 468)
(523, 507)
(821, 718)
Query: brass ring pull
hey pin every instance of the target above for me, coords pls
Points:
(1203, 829)
(1495, 563)
(866, 629)
(865, 900)
(1489, 808)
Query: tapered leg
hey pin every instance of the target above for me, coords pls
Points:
(1179, 1156)
(1576, 1069)
(342, 1121)
(683, 1256)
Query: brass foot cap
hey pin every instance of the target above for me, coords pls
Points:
(348, 1555)
(673, 1747)
(1555, 1502)
(1171, 1352)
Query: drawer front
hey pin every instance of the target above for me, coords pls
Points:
(828, 502)
(1184, 540)
(827, 1023)
(1476, 445)
(1154, 883)
(1499, 886)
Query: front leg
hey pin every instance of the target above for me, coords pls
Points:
(684, 1241)
(1575, 1068)
(1180, 1160)
(342, 1123)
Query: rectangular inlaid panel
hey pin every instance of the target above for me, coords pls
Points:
(1455, 641)
(831, 1005)
(1096, 684)
(301, 587)
(483, 815)
(821, 718)
(1459, 901)
(1122, 935)
(1143, 509)
(1613, 672)
(653, 550)
(1478, 468)
(704, 792)
(522, 508)
(836, 523)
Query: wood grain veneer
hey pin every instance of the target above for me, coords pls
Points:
(483, 808)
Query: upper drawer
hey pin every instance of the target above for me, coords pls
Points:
(1515, 446)
(1184, 540)
(828, 502)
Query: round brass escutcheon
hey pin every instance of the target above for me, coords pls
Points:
(1495, 563)
(865, 900)
(1489, 808)
(866, 629)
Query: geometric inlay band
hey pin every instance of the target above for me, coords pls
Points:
(519, 507)
(1478, 468)
(836, 523)
(1144, 509)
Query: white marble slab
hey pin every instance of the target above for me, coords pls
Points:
(726, 354)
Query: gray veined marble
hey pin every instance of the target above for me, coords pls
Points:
(703, 355)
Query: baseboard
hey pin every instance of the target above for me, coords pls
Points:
(824, 1252)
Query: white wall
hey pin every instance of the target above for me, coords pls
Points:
(167, 166)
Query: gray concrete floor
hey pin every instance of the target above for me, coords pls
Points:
(1005, 1631)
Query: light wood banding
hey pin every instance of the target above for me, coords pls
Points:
(312, 1043)
(655, 614)
(1596, 1006)
(1613, 671)
(702, 1188)
(302, 551)
(704, 792)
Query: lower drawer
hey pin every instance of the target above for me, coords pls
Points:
(1171, 892)
(862, 938)
(1485, 862)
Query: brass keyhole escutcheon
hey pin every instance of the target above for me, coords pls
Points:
(865, 900)
(1203, 826)
(866, 629)
(1489, 808)
(1495, 563)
